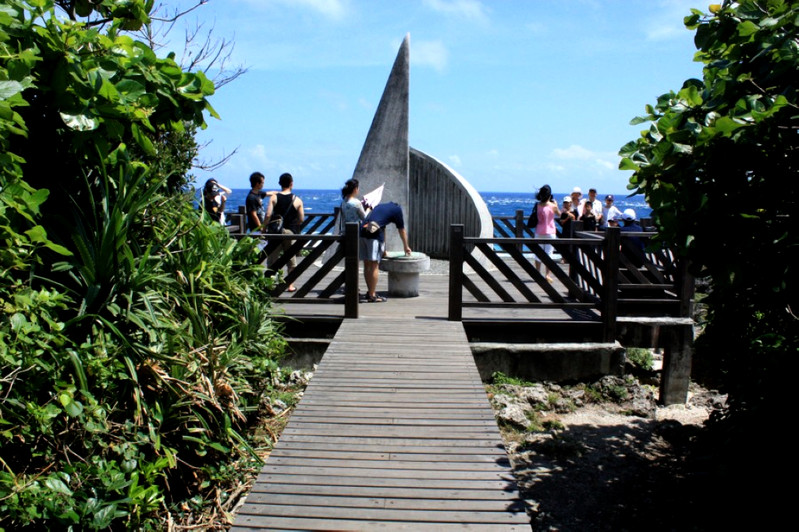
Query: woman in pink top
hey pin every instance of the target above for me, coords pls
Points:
(547, 210)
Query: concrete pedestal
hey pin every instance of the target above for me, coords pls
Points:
(403, 272)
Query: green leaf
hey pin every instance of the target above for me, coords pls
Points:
(80, 122)
(142, 139)
(57, 485)
(747, 28)
(10, 88)
(726, 125)
(72, 407)
(627, 164)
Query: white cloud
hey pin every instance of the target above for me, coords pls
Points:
(578, 154)
(332, 9)
(455, 160)
(467, 9)
(573, 152)
(493, 152)
(430, 53)
(605, 164)
(256, 157)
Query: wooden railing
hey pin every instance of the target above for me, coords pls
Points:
(318, 275)
(605, 274)
(507, 287)
(511, 226)
(323, 223)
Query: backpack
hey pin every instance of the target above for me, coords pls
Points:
(275, 224)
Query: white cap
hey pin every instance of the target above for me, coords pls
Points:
(628, 214)
(567, 199)
(578, 190)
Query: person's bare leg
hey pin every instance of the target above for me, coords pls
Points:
(370, 275)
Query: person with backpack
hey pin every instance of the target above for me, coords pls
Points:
(372, 244)
(285, 210)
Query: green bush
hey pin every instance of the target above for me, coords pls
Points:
(135, 339)
(640, 357)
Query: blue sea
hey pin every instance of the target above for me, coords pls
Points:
(499, 203)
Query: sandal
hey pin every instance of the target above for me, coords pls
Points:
(375, 299)
(291, 288)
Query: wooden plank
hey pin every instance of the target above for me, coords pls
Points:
(384, 482)
(289, 452)
(397, 503)
(356, 464)
(384, 447)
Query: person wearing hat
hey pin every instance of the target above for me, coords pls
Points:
(566, 216)
(610, 213)
(596, 205)
(577, 193)
(633, 247)
(214, 198)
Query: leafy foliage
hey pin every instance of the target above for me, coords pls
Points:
(718, 164)
(135, 340)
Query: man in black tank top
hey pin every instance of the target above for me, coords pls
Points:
(290, 207)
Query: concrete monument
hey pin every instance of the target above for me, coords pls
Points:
(384, 157)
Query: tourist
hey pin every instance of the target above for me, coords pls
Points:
(635, 247)
(352, 209)
(290, 208)
(610, 213)
(566, 217)
(588, 217)
(577, 193)
(543, 216)
(373, 243)
(214, 198)
(254, 204)
(596, 205)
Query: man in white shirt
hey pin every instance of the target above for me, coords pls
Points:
(596, 206)
(609, 212)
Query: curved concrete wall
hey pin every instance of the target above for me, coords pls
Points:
(439, 197)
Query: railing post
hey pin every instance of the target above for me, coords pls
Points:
(573, 250)
(685, 288)
(456, 272)
(351, 270)
(610, 274)
(518, 228)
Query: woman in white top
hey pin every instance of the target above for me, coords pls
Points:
(351, 207)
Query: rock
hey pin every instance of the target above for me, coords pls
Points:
(535, 395)
(642, 401)
(278, 406)
(300, 377)
(577, 396)
(563, 405)
(514, 415)
(501, 400)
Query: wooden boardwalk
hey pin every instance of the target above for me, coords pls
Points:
(394, 432)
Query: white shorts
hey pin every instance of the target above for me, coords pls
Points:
(546, 247)
(371, 249)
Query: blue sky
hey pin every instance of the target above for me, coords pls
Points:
(512, 94)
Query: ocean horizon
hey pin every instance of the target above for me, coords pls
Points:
(499, 203)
